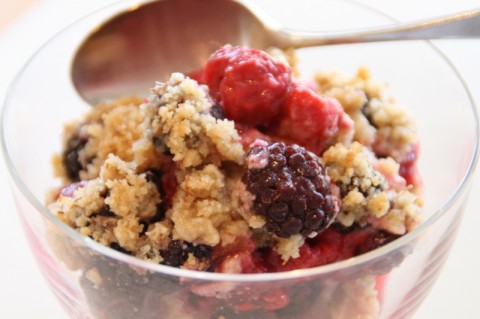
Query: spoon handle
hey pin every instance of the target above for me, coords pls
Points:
(461, 25)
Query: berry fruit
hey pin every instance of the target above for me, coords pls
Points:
(177, 252)
(409, 169)
(249, 84)
(291, 188)
(71, 157)
(311, 120)
(248, 135)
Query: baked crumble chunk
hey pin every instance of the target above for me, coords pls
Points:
(372, 191)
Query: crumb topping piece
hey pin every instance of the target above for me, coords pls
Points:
(202, 209)
(380, 122)
(115, 208)
(367, 197)
(178, 119)
(109, 128)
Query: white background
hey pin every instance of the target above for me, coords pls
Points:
(23, 292)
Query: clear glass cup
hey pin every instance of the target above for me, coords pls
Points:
(93, 281)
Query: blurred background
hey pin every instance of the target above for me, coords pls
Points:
(26, 24)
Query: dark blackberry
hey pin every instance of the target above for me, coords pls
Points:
(117, 247)
(103, 211)
(177, 252)
(291, 188)
(122, 292)
(71, 160)
(155, 176)
(201, 251)
(217, 112)
(367, 112)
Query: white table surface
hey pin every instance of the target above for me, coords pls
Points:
(23, 292)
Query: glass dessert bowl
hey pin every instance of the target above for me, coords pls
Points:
(94, 281)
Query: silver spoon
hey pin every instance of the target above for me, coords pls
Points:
(133, 49)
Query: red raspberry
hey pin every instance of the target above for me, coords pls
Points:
(249, 84)
(196, 75)
(311, 120)
(214, 69)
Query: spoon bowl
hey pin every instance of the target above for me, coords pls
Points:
(135, 48)
(148, 42)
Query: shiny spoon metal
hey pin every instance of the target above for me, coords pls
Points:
(132, 50)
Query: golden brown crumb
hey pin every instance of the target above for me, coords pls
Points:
(111, 209)
(177, 115)
(289, 247)
(367, 196)
(380, 122)
(202, 208)
(109, 128)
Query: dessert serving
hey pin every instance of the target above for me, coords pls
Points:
(244, 184)
(241, 168)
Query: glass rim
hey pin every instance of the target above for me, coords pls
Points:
(212, 276)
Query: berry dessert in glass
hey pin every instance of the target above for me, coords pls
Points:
(240, 168)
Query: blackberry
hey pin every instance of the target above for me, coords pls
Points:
(104, 211)
(367, 112)
(71, 160)
(123, 292)
(177, 252)
(201, 251)
(291, 188)
(378, 238)
(217, 112)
